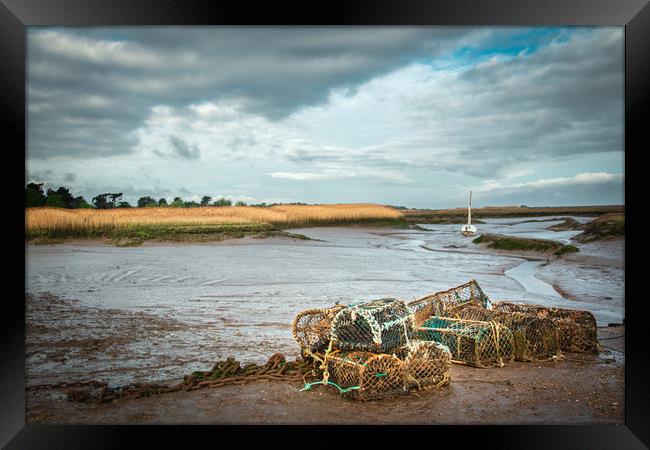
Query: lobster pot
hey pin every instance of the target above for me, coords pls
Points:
(441, 303)
(377, 326)
(534, 338)
(469, 311)
(427, 363)
(368, 376)
(311, 328)
(576, 328)
(475, 343)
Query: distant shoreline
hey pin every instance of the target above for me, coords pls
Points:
(459, 215)
(136, 234)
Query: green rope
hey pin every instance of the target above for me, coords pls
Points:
(342, 390)
(380, 375)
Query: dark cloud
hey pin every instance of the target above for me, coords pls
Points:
(183, 149)
(561, 101)
(89, 88)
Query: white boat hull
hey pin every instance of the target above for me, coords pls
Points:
(468, 230)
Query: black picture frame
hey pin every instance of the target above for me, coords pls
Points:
(16, 15)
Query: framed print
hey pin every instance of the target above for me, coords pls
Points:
(410, 215)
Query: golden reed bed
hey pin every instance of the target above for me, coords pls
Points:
(57, 219)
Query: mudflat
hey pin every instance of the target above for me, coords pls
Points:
(156, 313)
(578, 389)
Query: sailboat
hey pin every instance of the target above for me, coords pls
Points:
(469, 229)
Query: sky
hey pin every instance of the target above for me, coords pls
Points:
(412, 116)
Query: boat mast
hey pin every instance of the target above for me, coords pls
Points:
(469, 209)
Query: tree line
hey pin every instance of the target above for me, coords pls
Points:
(62, 198)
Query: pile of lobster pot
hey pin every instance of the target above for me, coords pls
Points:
(369, 351)
(386, 347)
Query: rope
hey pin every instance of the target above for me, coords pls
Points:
(326, 374)
(496, 342)
(324, 365)
(341, 390)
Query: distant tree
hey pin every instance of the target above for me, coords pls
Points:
(54, 200)
(177, 203)
(80, 202)
(123, 205)
(115, 199)
(101, 201)
(222, 202)
(34, 195)
(162, 202)
(205, 201)
(143, 202)
(190, 204)
(66, 197)
(240, 203)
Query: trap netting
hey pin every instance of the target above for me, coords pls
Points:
(428, 364)
(311, 328)
(470, 311)
(472, 342)
(376, 326)
(534, 338)
(440, 303)
(363, 375)
(576, 328)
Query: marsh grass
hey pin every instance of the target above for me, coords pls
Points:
(567, 249)
(132, 225)
(608, 226)
(509, 243)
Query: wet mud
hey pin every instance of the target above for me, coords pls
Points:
(156, 313)
(579, 389)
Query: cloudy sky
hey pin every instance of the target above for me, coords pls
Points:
(413, 116)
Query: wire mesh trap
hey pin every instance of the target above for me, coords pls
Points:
(311, 329)
(376, 326)
(576, 328)
(440, 303)
(534, 338)
(471, 342)
(469, 311)
(363, 375)
(428, 364)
